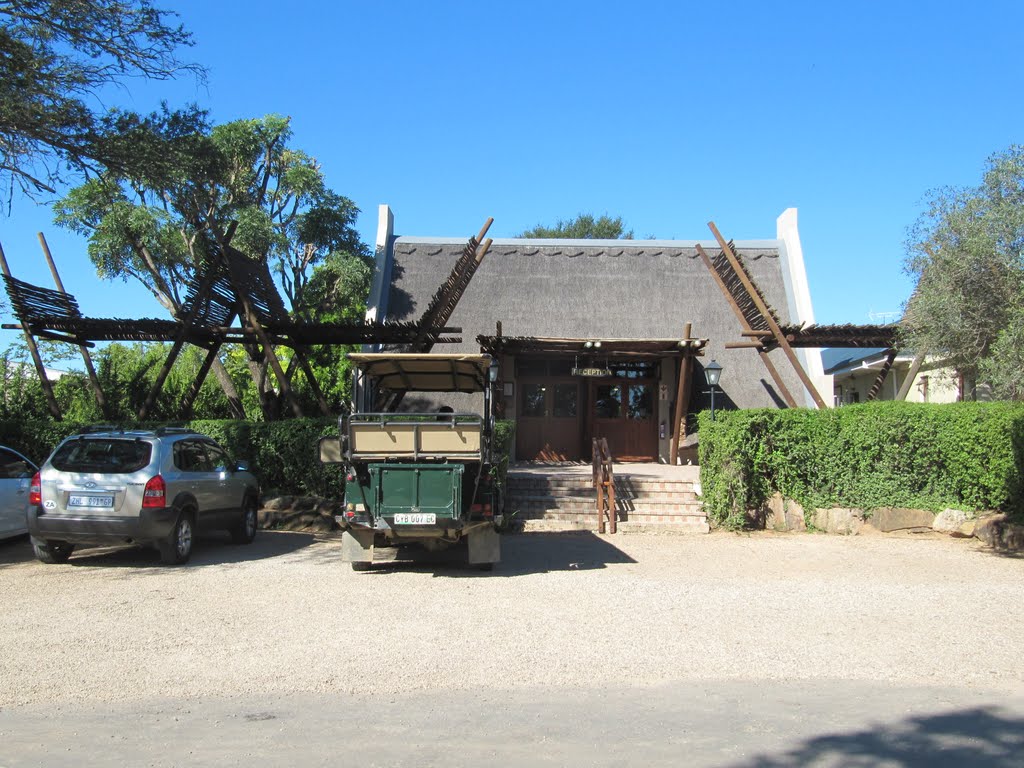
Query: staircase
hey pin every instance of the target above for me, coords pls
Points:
(648, 498)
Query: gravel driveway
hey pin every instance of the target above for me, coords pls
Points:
(284, 616)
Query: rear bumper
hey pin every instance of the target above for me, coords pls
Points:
(150, 526)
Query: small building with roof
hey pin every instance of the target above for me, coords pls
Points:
(608, 338)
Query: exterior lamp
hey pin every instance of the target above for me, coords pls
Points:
(712, 373)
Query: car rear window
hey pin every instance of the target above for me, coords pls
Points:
(102, 455)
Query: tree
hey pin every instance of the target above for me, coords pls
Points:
(967, 253)
(240, 180)
(56, 57)
(583, 227)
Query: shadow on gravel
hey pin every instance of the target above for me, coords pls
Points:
(208, 550)
(983, 737)
(15, 551)
(526, 553)
(521, 554)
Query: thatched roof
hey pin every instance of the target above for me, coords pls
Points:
(594, 289)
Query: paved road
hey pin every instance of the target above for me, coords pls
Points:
(713, 650)
(741, 724)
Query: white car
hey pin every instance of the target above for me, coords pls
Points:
(15, 476)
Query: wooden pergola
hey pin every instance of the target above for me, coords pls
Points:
(232, 299)
(761, 330)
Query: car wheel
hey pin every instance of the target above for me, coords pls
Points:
(178, 547)
(244, 531)
(52, 551)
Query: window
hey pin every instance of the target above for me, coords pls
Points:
(189, 456)
(102, 455)
(640, 402)
(12, 466)
(635, 370)
(566, 399)
(217, 458)
(532, 403)
(609, 401)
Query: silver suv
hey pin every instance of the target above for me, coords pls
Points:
(105, 486)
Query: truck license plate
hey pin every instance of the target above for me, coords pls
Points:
(415, 518)
(91, 501)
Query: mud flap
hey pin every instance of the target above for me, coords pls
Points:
(356, 546)
(484, 546)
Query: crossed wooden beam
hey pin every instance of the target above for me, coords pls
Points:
(737, 286)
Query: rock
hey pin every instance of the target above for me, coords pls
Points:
(279, 502)
(839, 520)
(329, 507)
(999, 533)
(949, 521)
(989, 530)
(965, 531)
(774, 513)
(781, 514)
(888, 519)
(795, 520)
(305, 503)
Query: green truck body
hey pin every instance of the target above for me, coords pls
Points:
(418, 482)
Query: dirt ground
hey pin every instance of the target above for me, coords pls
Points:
(284, 615)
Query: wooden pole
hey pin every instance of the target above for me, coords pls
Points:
(307, 371)
(197, 384)
(94, 380)
(595, 453)
(768, 364)
(908, 382)
(682, 398)
(37, 361)
(882, 375)
(780, 338)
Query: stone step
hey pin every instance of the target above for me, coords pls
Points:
(661, 490)
(648, 515)
(621, 500)
(681, 526)
(581, 508)
(529, 481)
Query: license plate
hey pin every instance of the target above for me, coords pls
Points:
(416, 518)
(91, 501)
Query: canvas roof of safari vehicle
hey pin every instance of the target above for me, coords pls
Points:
(425, 372)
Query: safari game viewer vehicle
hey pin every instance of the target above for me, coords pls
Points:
(418, 480)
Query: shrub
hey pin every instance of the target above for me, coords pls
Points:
(964, 455)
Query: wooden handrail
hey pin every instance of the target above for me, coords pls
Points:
(604, 483)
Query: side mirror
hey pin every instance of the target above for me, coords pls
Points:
(241, 466)
(330, 450)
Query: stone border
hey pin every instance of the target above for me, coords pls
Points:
(299, 513)
(993, 529)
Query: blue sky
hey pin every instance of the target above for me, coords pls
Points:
(667, 114)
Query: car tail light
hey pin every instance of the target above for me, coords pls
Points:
(155, 493)
(484, 509)
(35, 491)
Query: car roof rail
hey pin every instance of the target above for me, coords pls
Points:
(99, 428)
(161, 431)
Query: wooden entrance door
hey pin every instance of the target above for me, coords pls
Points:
(548, 420)
(623, 411)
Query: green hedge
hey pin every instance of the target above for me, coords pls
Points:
(964, 455)
(283, 454)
